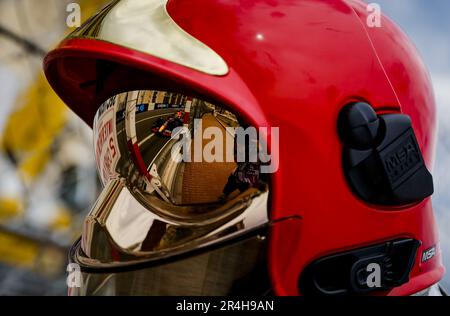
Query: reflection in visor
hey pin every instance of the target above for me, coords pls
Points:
(143, 135)
(180, 174)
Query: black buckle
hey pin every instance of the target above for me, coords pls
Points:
(377, 268)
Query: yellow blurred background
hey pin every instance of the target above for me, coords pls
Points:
(47, 173)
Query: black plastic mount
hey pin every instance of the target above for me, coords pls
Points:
(382, 160)
(348, 273)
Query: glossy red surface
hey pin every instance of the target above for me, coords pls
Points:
(293, 65)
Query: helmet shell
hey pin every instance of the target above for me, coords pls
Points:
(293, 65)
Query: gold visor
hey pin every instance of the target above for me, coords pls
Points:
(178, 177)
(239, 268)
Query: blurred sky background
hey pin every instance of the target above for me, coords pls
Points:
(428, 25)
(47, 176)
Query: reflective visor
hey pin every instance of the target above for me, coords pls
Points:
(235, 269)
(180, 175)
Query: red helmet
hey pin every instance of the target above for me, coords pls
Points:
(351, 192)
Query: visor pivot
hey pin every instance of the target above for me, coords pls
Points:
(359, 126)
(382, 159)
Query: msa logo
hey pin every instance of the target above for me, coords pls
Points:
(404, 158)
(428, 254)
